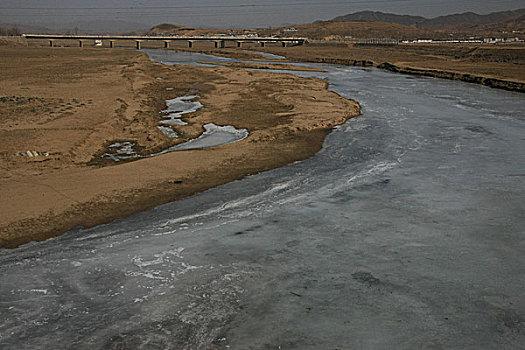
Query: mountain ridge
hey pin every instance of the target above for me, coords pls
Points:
(436, 22)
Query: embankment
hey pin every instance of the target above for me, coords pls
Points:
(469, 78)
(466, 77)
(498, 67)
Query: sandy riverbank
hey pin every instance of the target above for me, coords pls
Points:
(497, 66)
(68, 105)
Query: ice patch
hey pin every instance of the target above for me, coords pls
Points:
(182, 105)
(120, 151)
(159, 258)
(174, 121)
(239, 203)
(43, 291)
(176, 108)
(168, 131)
(214, 135)
(269, 56)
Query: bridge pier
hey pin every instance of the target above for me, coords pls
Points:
(138, 44)
(190, 44)
(51, 43)
(239, 44)
(166, 44)
(283, 43)
(219, 44)
(112, 43)
(261, 43)
(81, 43)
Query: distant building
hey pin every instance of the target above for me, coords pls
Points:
(377, 41)
(500, 40)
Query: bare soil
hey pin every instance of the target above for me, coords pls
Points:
(67, 105)
(501, 66)
(504, 62)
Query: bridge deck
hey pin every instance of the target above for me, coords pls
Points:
(164, 38)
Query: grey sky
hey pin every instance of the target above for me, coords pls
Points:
(227, 13)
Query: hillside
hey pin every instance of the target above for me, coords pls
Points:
(355, 29)
(381, 17)
(471, 18)
(463, 22)
(506, 28)
(516, 23)
(175, 29)
(369, 24)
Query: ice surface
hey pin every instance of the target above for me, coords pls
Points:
(269, 56)
(168, 131)
(121, 151)
(178, 107)
(213, 136)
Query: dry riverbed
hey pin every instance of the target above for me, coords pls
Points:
(62, 108)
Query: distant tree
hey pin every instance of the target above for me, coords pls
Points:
(13, 31)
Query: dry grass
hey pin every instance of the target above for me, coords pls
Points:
(495, 61)
(69, 104)
(359, 29)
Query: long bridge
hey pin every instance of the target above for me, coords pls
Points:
(219, 40)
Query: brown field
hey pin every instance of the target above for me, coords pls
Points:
(66, 105)
(505, 62)
(478, 63)
(498, 61)
(359, 29)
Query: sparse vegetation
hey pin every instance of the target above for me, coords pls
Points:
(9, 31)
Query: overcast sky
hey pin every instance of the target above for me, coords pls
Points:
(227, 13)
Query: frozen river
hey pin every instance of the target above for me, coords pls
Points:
(406, 231)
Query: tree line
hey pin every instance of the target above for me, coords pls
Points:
(13, 31)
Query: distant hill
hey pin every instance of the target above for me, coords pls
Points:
(514, 27)
(317, 31)
(381, 17)
(516, 23)
(373, 25)
(471, 18)
(167, 28)
(355, 29)
(175, 29)
(449, 22)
